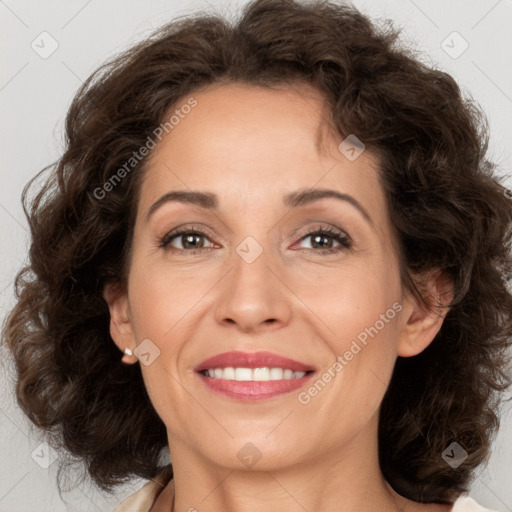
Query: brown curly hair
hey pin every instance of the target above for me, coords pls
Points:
(446, 203)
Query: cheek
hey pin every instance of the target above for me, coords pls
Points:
(159, 307)
(360, 304)
(161, 298)
(162, 303)
(352, 298)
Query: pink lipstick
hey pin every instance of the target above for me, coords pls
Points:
(253, 376)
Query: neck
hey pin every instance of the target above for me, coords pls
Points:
(342, 479)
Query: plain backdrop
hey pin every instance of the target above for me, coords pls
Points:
(472, 40)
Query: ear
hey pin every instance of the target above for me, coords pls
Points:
(422, 324)
(121, 329)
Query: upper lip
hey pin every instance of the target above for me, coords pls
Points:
(239, 359)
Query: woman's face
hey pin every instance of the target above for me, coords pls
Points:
(263, 276)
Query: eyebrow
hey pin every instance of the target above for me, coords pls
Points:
(301, 197)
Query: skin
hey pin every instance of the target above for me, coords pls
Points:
(251, 146)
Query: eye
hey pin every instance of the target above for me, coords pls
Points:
(189, 240)
(323, 240)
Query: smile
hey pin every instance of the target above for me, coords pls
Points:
(252, 374)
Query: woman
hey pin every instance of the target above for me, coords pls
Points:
(289, 229)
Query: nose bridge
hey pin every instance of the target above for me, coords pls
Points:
(252, 295)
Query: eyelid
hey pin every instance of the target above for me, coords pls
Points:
(165, 238)
(339, 235)
(320, 226)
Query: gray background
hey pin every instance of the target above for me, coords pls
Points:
(35, 93)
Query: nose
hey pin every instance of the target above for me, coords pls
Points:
(252, 296)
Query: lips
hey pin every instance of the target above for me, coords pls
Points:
(233, 375)
(252, 360)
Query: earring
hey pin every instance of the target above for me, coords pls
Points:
(128, 357)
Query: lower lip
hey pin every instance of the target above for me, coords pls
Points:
(254, 390)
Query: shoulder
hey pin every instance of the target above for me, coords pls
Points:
(143, 499)
(463, 504)
(467, 504)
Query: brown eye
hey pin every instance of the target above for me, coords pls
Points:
(325, 240)
(186, 240)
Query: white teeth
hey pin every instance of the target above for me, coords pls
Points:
(243, 374)
(276, 374)
(261, 374)
(228, 373)
(253, 374)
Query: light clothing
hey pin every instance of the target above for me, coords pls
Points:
(467, 504)
(144, 498)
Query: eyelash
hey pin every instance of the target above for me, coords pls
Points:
(338, 236)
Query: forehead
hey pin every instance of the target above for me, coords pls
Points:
(256, 144)
(231, 119)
